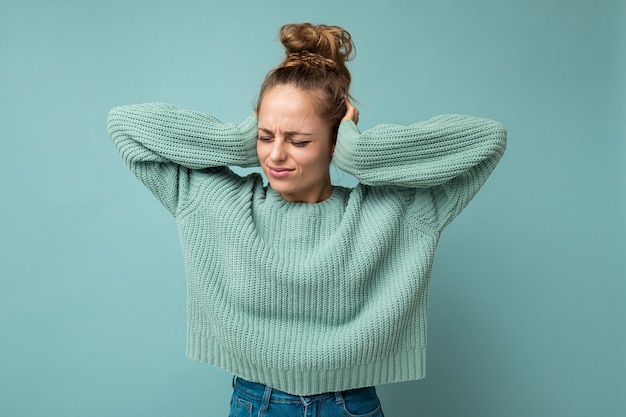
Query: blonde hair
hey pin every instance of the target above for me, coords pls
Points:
(315, 61)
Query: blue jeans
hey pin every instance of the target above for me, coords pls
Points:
(251, 399)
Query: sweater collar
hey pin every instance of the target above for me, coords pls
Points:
(336, 199)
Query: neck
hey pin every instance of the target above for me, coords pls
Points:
(311, 196)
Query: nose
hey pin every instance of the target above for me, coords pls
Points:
(278, 151)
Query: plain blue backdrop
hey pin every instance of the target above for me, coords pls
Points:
(527, 306)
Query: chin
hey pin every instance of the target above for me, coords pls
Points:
(281, 188)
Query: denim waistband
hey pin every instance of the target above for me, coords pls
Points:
(260, 392)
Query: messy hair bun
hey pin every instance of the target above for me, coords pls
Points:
(330, 43)
(315, 60)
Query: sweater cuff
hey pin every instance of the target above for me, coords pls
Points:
(249, 133)
(347, 137)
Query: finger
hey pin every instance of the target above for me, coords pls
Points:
(352, 113)
(355, 114)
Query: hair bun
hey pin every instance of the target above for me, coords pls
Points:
(331, 42)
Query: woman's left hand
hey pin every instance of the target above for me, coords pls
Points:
(352, 113)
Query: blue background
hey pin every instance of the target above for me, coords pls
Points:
(527, 306)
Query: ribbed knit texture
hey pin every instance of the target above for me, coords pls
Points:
(309, 298)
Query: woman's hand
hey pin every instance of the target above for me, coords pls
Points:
(352, 113)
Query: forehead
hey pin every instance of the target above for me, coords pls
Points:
(288, 105)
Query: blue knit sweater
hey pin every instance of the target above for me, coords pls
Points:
(309, 298)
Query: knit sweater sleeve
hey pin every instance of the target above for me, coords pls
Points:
(162, 144)
(452, 155)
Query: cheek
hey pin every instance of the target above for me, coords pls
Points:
(261, 152)
(318, 160)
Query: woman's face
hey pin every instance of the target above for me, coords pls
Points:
(294, 145)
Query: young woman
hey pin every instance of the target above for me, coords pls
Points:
(309, 293)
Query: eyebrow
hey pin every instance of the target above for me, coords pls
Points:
(288, 133)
